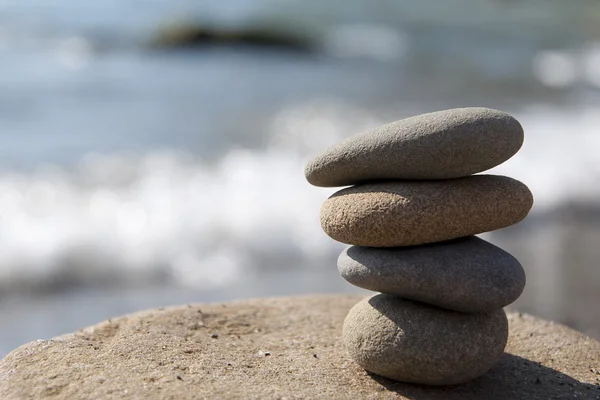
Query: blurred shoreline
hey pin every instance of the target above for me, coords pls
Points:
(134, 176)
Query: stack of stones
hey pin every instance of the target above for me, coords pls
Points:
(411, 216)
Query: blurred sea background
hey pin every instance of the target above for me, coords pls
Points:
(152, 152)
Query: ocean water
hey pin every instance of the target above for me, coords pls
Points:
(132, 177)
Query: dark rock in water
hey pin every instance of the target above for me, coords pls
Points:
(406, 213)
(439, 145)
(467, 274)
(418, 343)
(189, 36)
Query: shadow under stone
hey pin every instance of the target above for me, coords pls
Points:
(513, 378)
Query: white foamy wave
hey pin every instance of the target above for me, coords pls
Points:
(137, 215)
(569, 67)
(167, 215)
(143, 216)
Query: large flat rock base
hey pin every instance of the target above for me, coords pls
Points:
(283, 348)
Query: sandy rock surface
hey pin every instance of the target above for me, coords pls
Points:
(284, 348)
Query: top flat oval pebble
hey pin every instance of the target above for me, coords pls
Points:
(440, 145)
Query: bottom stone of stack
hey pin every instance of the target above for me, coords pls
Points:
(414, 342)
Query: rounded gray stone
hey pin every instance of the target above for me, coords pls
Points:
(418, 343)
(467, 274)
(406, 213)
(439, 145)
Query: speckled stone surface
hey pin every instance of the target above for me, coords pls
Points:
(219, 351)
(405, 213)
(466, 274)
(440, 145)
(415, 342)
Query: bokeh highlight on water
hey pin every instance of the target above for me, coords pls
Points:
(135, 177)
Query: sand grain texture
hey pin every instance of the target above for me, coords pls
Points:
(284, 348)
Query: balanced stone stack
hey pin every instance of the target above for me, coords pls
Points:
(411, 217)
